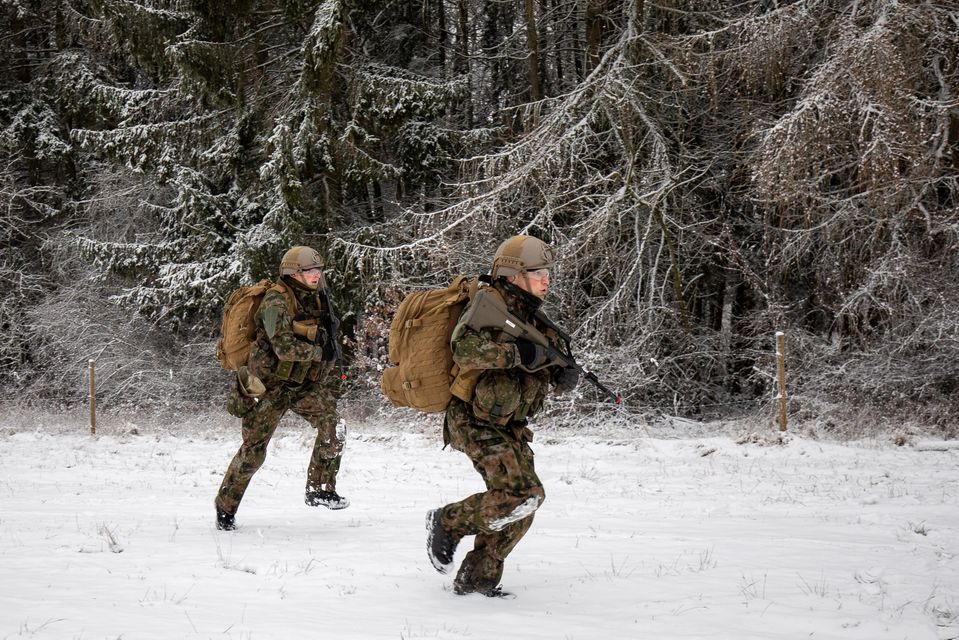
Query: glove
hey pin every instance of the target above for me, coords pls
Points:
(532, 356)
(309, 332)
(566, 379)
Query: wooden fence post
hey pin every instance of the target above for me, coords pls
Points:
(781, 371)
(93, 399)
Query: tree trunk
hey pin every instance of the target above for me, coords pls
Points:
(462, 64)
(595, 10)
(558, 43)
(726, 327)
(532, 58)
(543, 25)
(443, 33)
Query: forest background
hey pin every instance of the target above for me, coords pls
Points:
(709, 171)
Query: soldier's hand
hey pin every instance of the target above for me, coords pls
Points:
(532, 356)
(566, 379)
(309, 332)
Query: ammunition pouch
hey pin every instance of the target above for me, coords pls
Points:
(464, 383)
(508, 396)
(293, 372)
(498, 399)
(283, 370)
(300, 371)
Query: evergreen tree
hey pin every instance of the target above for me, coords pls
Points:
(726, 172)
(711, 172)
(37, 167)
(270, 126)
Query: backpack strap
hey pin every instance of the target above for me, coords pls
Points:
(288, 295)
(474, 287)
(464, 381)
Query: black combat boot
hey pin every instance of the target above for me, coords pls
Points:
(480, 573)
(492, 592)
(328, 499)
(440, 544)
(225, 521)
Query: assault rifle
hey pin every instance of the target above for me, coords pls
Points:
(332, 352)
(488, 310)
(332, 324)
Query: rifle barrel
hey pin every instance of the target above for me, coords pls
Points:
(602, 387)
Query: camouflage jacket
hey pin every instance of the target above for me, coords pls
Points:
(504, 393)
(289, 348)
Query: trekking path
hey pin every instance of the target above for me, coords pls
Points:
(113, 536)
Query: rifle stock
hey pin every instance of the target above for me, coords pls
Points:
(490, 311)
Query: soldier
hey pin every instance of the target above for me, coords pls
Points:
(488, 422)
(288, 369)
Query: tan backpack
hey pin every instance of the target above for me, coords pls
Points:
(238, 327)
(419, 344)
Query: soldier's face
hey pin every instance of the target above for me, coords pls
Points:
(310, 277)
(535, 282)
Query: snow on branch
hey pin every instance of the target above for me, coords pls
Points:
(161, 145)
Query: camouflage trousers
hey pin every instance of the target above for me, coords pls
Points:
(316, 404)
(500, 516)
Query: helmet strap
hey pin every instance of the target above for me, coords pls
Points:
(525, 275)
(529, 287)
(295, 282)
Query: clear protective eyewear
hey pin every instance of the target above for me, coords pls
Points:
(538, 274)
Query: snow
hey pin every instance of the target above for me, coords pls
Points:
(639, 537)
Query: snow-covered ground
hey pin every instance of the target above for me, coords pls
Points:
(695, 537)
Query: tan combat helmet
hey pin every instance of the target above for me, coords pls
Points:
(519, 254)
(299, 259)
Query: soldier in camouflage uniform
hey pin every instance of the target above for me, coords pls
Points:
(288, 370)
(512, 378)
